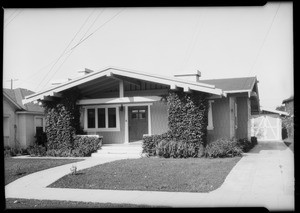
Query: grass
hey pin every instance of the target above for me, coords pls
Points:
(13, 203)
(153, 174)
(16, 168)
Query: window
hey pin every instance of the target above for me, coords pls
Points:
(39, 125)
(91, 118)
(210, 116)
(235, 115)
(138, 114)
(102, 118)
(112, 118)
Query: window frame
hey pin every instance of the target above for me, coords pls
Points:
(210, 125)
(106, 129)
(35, 123)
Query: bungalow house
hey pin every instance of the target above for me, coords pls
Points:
(21, 122)
(123, 105)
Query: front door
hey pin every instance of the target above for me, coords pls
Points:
(138, 122)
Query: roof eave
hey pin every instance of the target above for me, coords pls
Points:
(107, 72)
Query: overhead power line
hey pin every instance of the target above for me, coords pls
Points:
(97, 29)
(13, 18)
(83, 39)
(263, 43)
(64, 52)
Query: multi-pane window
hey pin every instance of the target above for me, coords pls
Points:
(39, 125)
(138, 114)
(112, 118)
(91, 118)
(102, 118)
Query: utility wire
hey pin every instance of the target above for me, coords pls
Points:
(263, 43)
(97, 29)
(91, 25)
(83, 39)
(193, 41)
(63, 53)
(71, 51)
(13, 18)
(10, 15)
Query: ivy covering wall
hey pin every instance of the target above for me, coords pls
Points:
(187, 122)
(187, 116)
(62, 121)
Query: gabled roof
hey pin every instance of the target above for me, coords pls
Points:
(15, 96)
(231, 85)
(171, 81)
(274, 111)
(288, 99)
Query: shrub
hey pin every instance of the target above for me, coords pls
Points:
(246, 145)
(10, 152)
(150, 143)
(254, 140)
(85, 145)
(223, 148)
(177, 149)
(41, 139)
(36, 150)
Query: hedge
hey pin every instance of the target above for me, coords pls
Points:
(187, 122)
(177, 149)
(246, 145)
(85, 145)
(222, 148)
(150, 143)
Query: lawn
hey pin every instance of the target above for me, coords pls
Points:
(16, 168)
(153, 174)
(13, 203)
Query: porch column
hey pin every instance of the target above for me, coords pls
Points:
(121, 88)
(149, 121)
(249, 122)
(231, 118)
(126, 125)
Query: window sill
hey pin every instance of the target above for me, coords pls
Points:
(103, 130)
(210, 128)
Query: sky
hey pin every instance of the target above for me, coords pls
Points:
(43, 45)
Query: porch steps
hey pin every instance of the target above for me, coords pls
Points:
(110, 150)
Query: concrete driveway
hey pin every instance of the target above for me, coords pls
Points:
(262, 178)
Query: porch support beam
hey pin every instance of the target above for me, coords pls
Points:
(149, 121)
(126, 125)
(173, 87)
(121, 88)
(128, 80)
(187, 89)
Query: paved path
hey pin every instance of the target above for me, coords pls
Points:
(264, 177)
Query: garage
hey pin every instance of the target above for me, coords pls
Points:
(267, 126)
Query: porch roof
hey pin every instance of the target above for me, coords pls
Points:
(172, 82)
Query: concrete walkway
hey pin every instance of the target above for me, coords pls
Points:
(262, 178)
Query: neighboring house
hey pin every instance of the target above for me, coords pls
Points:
(123, 105)
(21, 121)
(289, 105)
(289, 122)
